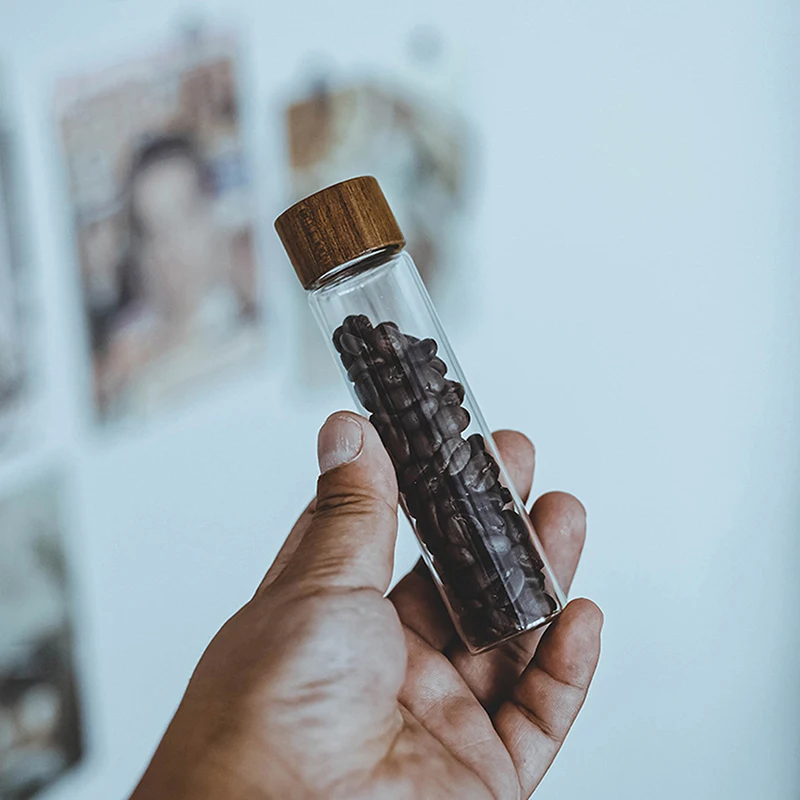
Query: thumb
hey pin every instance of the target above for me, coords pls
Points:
(350, 542)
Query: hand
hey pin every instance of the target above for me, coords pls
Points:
(323, 687)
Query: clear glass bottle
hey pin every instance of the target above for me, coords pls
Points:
(370, 302)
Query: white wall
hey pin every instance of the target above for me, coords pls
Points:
(639, 287)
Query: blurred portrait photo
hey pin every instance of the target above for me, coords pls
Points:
(12, 339)
(160, 190)
(40, 724)
(415, 149)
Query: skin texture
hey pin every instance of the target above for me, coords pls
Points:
(324, 687)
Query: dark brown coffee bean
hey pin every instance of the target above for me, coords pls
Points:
(481, 472)
(497, 544)
(451, 420)
(420, 415)
(429, 380)
(352, 344)
(514, 582)
(388, 340)
(337, 335)
(425, 443)
(439, 365)
(538, 606)
(395, 441)
(368, 393)
(359, 366)
(453, 394)
(422, 351)
(391, 375)
(453, 455)
(348, 360)
(505, 495)
(459, 556)
(359, 325)
(526, 556)
(516, 529)
(461, 527)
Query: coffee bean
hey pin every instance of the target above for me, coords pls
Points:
(396, 442)
(497, 544)
(420, 414)
(453, 455)
(515, 527)
(392, 374)
(429, 380)
(422, 351)
(481, 472)
(453, 394)
(425, 443)
(451, 420)
(439, 365)
(388, 340)
(352, 344)
(359, 326)
(368, 393)
(514, 582)
(459, 555)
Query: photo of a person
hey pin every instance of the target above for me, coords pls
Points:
(164, 226)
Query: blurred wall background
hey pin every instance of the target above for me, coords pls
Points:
(634, 253)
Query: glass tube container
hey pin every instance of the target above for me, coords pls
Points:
(373, 308)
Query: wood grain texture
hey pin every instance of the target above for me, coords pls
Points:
(345, 221)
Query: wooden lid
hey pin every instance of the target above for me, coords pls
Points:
(345, 221)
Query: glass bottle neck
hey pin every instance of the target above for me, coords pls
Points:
(355, 267)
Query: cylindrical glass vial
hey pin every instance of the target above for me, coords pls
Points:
(373, 308)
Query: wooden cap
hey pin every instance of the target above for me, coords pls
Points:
(334, 226)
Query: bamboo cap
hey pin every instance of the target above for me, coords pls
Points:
(345, 221)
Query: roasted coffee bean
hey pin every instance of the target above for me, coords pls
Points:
(358, 325)
(439, 365)
(453, 394)
(459, 556)
(349, 343)
(396, 442)
(429, 380)
(359, 366)
(516, 529)
(461, 527)
(514, 582)
(497, 544)
(526, 556)
(421, 351)
(505, 495)
(481, 472)
(425, 443)
(453, 455)
(451, 420)
(420, 415)
(368, 393)
(391, 375)
(388, 340)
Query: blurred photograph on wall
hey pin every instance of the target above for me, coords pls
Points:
(416, 150)
(13, 366)
(40, 720)
(160, 190)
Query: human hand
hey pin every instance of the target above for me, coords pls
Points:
(322, 686)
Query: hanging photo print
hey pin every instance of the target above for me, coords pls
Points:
(415, 149)
(13, 367)
(160, 190)
(40, 722)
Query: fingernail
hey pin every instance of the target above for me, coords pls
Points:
(340, 441)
